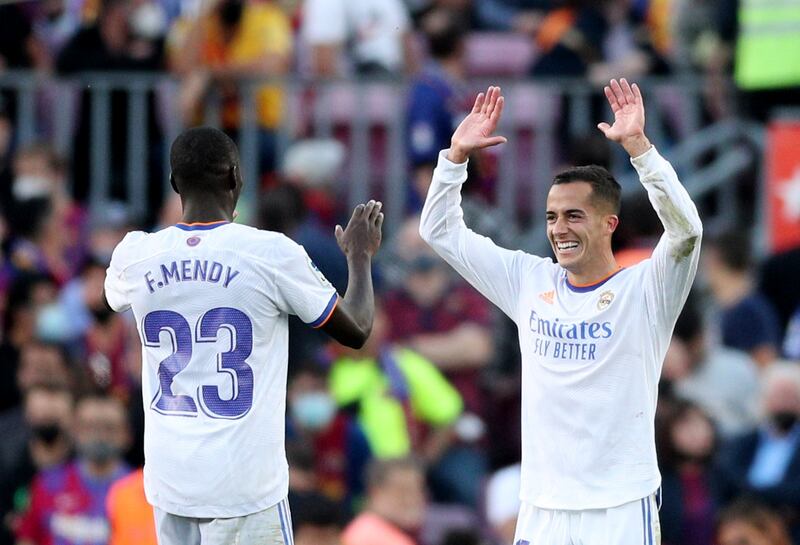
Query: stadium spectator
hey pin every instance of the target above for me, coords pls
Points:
(748, 523)
(374, 35)
(442, 319)
(110, 45)
(686, 447)
(35, 437)
(437, 98)
(747, 320)
(326, 442)
(765, 464)
(223, 47)
(54, 23)
(447, 322)
(722, 382)
(403, 403)
(68, 502)
(317, 520)
(40, 243)
(570, 39)
(41, 172)
(130, 517)
(25, 296)
(395, 505)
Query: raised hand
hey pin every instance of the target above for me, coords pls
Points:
(362, 236)
(477, 129)
(628, 107)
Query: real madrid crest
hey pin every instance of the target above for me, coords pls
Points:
(605, 299)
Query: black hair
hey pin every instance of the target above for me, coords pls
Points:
(605, 188)
(201, 159)
(733, 248)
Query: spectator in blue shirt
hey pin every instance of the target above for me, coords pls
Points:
(437, 99)
(748, 320)
(765, 464)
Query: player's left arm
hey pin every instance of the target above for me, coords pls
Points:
(674, 261)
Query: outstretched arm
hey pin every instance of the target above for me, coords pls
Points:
(674, 261)
(351, 321)
(492, 270)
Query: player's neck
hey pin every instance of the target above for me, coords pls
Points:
(205, 214)
(593, 274)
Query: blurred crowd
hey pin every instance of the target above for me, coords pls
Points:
(413, 439)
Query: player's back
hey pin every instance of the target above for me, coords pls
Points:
(211, 304)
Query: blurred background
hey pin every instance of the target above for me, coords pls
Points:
(415, 438)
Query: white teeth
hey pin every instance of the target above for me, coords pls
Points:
(566, 245)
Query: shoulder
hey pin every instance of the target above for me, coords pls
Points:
(262, 244)
(131, 247)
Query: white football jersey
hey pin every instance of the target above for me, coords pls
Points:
(211, 303)
(591, 355)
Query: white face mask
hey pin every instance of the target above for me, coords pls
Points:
(148, 21)
(30, 187)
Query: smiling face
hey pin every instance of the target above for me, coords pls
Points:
(579, 227)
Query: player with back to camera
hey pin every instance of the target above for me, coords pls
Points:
(592, 335)
(211, 300)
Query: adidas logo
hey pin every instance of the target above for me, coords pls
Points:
(547, 296)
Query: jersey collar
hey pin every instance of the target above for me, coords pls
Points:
(201, 226)
(583, 288)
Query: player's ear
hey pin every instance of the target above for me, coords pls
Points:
(233, 177)
(612, 221)
(173, 184)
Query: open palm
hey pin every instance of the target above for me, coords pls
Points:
(476, 131)
(628, 107)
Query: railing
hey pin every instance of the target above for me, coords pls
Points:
(369, 117)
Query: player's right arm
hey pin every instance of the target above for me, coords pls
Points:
(351, 321)
(492, 270)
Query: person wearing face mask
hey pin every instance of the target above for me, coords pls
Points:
(68, 502)
(332, 447)
(35, 437)
(766, 463)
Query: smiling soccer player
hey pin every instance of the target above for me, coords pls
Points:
(592, 335)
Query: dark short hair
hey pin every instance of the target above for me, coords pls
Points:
(733, 248)
(749, 511)
(201, 159)
(605, 189)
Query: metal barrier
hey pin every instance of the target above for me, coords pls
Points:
(369, 117)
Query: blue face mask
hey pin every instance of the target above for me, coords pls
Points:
(54, 324)
(314, 410)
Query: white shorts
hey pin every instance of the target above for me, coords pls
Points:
(271, 526)
(634, 523)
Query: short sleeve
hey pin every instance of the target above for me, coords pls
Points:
(324, 22)
(302, 289)
(116, 285)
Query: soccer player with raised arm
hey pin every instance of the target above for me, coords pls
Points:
(592, 334)
(211, 300)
